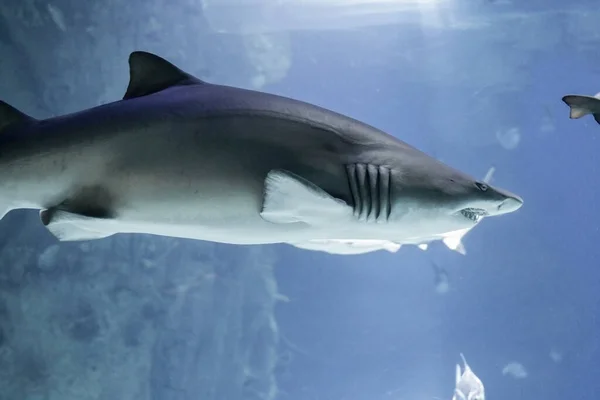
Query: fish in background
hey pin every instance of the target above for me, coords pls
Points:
(468, 385)
(515, 369)
(441, 279)
(181, 157)
(581, 105)
(556, 355)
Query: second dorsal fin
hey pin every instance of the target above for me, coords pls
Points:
(149, 73)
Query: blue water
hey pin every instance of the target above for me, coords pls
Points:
(448, 77)
(373, 325)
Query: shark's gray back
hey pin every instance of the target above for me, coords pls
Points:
(209, 129)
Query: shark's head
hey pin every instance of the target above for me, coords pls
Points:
(438, 199)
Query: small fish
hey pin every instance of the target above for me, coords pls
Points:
(583, 105)
(556, 355)
(468, 385)
(442, 282)
(515, 369)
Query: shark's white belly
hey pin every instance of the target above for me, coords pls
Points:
(233, 217)
(167, 188)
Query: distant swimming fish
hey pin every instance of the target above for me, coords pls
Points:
(442, 282)
(583, 105)
(515, 369)
(468, 385)
(556, 355)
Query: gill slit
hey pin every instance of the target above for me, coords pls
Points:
(370, 188)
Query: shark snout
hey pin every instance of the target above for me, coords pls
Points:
(510, 204)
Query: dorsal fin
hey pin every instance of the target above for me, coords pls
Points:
(10, 115)
(149, 73)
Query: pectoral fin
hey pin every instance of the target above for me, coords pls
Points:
(67, 226)
(289, 198)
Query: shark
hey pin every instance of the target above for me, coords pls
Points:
(580, 106)
(181, 157)
(441, 279)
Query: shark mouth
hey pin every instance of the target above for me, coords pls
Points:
(474, 214)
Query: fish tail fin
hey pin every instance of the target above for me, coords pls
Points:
(580, 106)
(9, 115)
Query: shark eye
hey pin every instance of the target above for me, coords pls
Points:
(481, 186)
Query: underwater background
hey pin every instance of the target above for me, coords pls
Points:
(474, 83)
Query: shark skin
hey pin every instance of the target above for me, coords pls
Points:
(181, 157)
